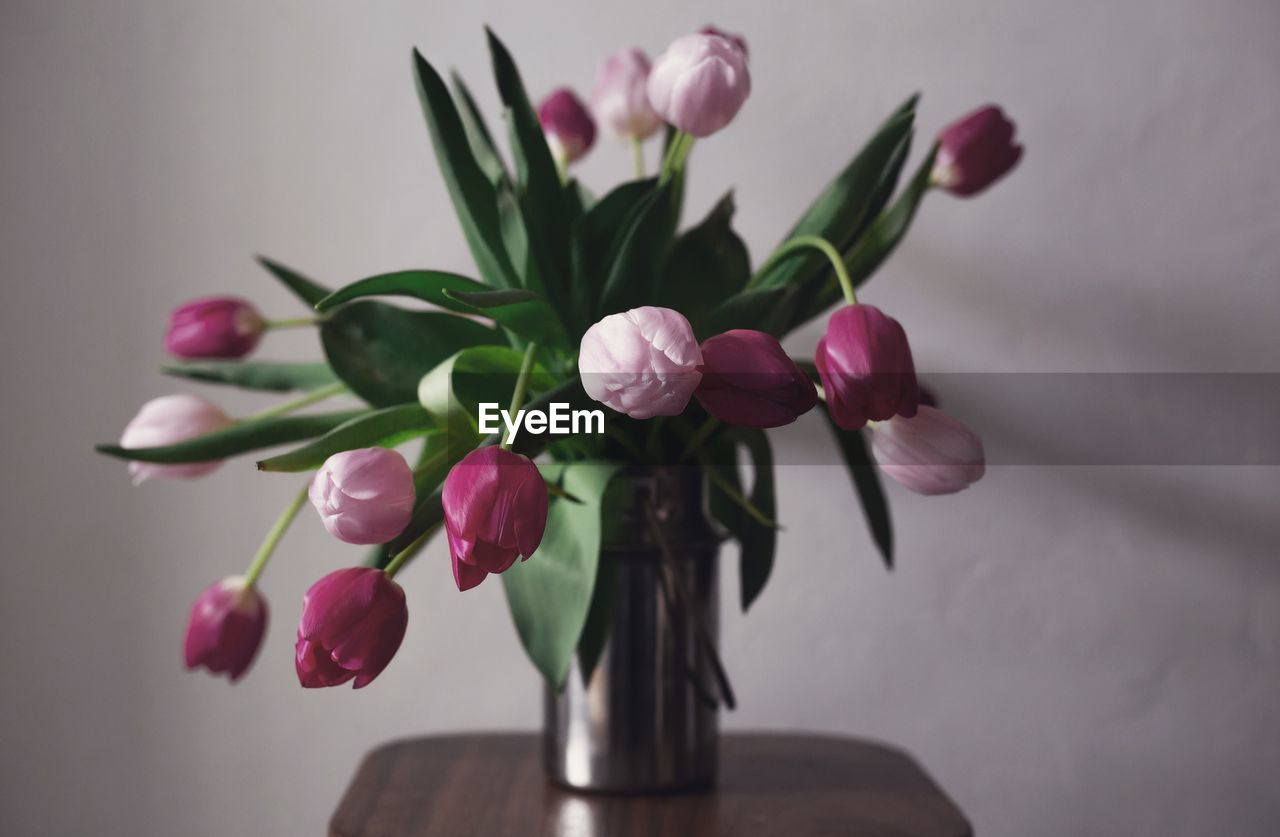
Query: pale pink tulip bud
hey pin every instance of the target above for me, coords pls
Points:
(495, 510)
(165, 421)
(975, 152)
(226, 627)
(568, 125)
(364, 496)
(620, 99)
(353, 622)
(219, 326)
(700, 83)
(931, 453)
(737, 40)
(643, 362)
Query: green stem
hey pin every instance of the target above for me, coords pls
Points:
(405, 554)
(293, 322)
(522, 386)
(735, 495)
(823, 246)
(699, 437)
(312, 397)
(562, 168)
(637, 150)
(273, 537)
(676, 155)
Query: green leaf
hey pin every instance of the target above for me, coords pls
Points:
(708, 264)
(594, 241)
(381, 352)
(758, 541)
(482, 144)
(866, 480)
(237, 439)
(261, 375)
(765, 309)
(387, 427)
(305, 289)
(632, 277)
(522, 312)
(474, 196)
(550, 594)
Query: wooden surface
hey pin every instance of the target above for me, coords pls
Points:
(770, 786)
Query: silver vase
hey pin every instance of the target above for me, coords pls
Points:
(647, 721)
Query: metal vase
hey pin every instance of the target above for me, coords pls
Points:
(646, 721)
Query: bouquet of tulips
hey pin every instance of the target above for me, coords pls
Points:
(596, 335)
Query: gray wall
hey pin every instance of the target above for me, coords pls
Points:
(1070, 650)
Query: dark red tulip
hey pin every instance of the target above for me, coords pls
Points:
(568, 125)
(866, 368)
(975, 152)
(353, 622)
(495, 510)
(216, 327)
(748, 380)
(225, 629)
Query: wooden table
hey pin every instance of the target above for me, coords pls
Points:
(770, 786)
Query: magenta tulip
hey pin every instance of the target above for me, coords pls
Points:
(218, 326)
(866, 368)
(165, 421)
(748, 380)
(737, 40)
(568, 125)
(225, 628)
(700, 83)
(495, 510)
(932, 453)
(643, 362)
(353, 622)
(975, 152)
(364, 496)
(620, 99)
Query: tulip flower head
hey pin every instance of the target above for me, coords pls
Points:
(866, 368)
(353, 622)
(643, 362)
(215, 327)
(495, 510)
(975, 152)
(165, 421)
(700, 83)
(620, 99)
(737, 40)
(568, 125)
(931, 453)
(748, 380)
(364, 496)
(226, 627)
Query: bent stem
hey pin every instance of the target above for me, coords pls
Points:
(403, 556)
(522, 387)
(735, 495)
(293, 322)
(312, 397)
(273, 537)
(637, 151)
(823, 246)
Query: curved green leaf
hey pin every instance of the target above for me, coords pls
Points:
(632, 276)
(482, 144)
(381, 352)
(708, 264)
(237, 439)
(387, 427)
(594, 241)
(758, 541)
(305, 289)
(493, 299)
(866, 481)
(264, 376)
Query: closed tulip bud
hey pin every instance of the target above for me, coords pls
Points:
(364, 496)
(620, 99)
(748, 380)
(353, 622)
(226, 627)
(931, 453)
(643, 362)
(165, 421)
(737, 40)
(495, 510)
(568, 125)
(866, 368)
(975, 152)
(700, 83)
(219, 326)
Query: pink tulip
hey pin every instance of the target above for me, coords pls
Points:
(364, 496)
(226, 627)
(866, 368)
(568, 125)
(737, 40)
(932, 453)
(495, 510)
(700, 83)
(643, 362)
(620, 99)
(353, 622)
(218, 326)
(748, 380)
(165, 421)
(975, 152)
